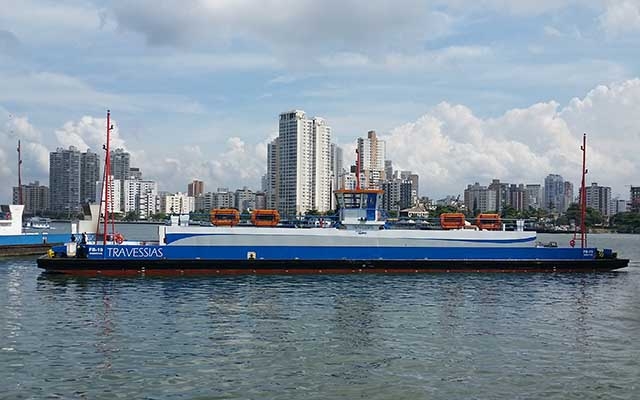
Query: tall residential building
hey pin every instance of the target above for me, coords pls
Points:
(415, 181)
(388, 169)
(89, 175)
(479, 199)
(64, 181)
(195, 188)
(272, 179)
(634, 199)
(121, 169)
(534, 196)
(303, 164)
(371, 154)
(34, 197)
(554, 193)
(397, 194)
(599, 198)
(517, 197)
(120, 164)
(337, 172)
(502, 193)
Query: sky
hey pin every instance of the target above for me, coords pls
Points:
(462, 91)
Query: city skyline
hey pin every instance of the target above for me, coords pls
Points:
(120, 159)
(459, 91)
(311, 139)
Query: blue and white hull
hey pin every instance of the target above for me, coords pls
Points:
(184, 250)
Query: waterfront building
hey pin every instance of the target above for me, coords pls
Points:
(598, 198)
(244, 199)
(348, 181)
(569, 196)
(223, 198)
(337, 172)
(67, 192)
(554, 193)
(261, 200)
(120, 164)
(148, 204)
(502, 194)
(479, 199)
(617, 205)
(634, 199)
(302, 164)
(517, 197)
(195, 188)
(113, 190)
(120, 168)
(271, 180)
(388, 169)
(140, 197)
(533, 196)
(415, 181)
(397, 194)
(178, 203)
(371, 155)
(35, 198)
(89, 174)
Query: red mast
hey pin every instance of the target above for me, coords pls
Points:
(583, 194)
(107, 176)
(19, 174)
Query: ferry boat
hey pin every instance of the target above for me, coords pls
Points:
(38, 223)
(359, 244)
(14, 240)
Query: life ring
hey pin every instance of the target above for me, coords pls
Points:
(572, 243)
(119, 238)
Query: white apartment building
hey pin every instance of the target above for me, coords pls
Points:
(245, 199)
(598, 198)
(480, 198)
(178, 203)
(371, 153)
(303, 161)
(139, 196)
(113, 189)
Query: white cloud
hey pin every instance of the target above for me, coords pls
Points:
(61, 90)
(40, 22)
(35, 155)
(234, 165)
(621, 16)
(89, 133)
(450, 147)
(281, 24)
(519, 7)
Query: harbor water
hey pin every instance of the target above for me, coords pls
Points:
(423, 336)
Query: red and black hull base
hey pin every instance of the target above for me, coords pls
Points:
(166, 267)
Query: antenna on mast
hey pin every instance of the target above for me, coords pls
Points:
(583, 194)
(19, 173)
(107, 178)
